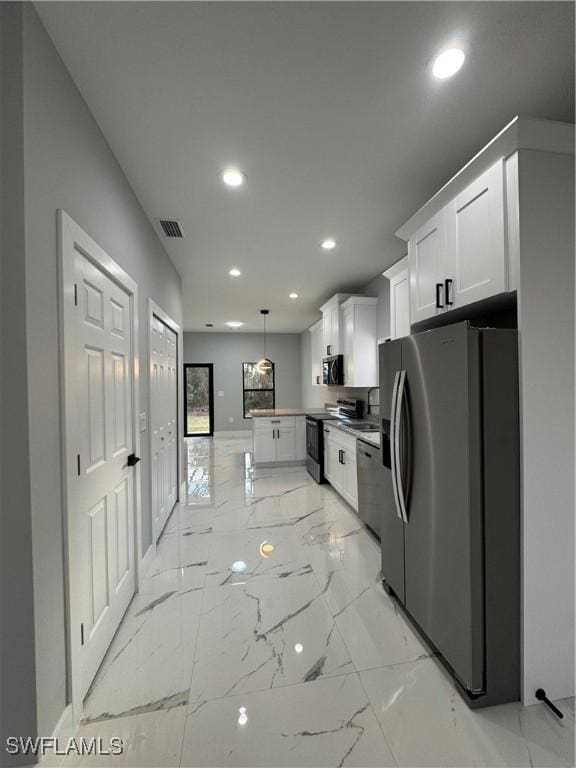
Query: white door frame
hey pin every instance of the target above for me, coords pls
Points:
(155, 309)
(70, 237)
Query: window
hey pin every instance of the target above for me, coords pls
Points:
(258, 388)
(198, 399)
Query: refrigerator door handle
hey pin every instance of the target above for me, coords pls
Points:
(393, 464)
(397, 458)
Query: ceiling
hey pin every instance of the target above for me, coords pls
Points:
(329, 108)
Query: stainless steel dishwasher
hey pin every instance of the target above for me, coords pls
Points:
(374, 484)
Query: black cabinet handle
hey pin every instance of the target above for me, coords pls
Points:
(343, 454)
(447, 288)
(367, 454)
(133, 460)
(340, 457)
(329, 349)
(439, 304)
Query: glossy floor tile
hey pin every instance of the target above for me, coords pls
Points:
(262, 636)
(427, 723)
(323, 723)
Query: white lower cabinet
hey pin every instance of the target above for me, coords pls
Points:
(281, 440)
(340, 463)
(264, 444)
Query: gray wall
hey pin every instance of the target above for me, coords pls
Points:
(17, 663)
(228, 351)
(69, 165)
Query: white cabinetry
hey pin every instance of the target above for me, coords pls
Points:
(476, 241)
(300, 438)
(264, 442)
(399, 277)
(331, 325)
(427, 257)
(360, 343)
(340, 463)
(316, 352)
(279, 440)
(459, 256)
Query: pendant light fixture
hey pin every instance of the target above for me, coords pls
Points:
(264, 366)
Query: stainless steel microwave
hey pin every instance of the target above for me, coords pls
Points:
(333, 370)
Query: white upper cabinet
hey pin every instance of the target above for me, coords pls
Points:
(427, 260)
(460, 255)
(360, 344)
(399, 278)
(331, 325)
(476, 265)
(316, 351)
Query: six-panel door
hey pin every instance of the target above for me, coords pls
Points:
(103, 525)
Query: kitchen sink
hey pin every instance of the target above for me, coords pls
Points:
(362, 427)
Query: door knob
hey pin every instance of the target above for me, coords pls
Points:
(133, 460)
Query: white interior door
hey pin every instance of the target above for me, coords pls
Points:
(101, 521)
(171, 400)
(164, 422)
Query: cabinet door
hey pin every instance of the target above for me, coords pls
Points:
(334, 465)
(327, 457)
(336, 332)
(316, 352)
(326, 334)
(348, 345)
(264, 444)
(427, 259)
(400, 305)
(286, 444)
(477, 240)
(300, 438)
(349, 482)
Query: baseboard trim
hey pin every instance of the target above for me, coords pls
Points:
(63, 732)
(146, 562)
(233, 433)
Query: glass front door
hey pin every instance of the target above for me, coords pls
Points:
(199, 400)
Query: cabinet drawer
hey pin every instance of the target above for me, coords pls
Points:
(274, 423)
(344, 439)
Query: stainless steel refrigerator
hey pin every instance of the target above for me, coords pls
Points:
(450, 531)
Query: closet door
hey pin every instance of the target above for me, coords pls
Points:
(171, 414)
(163, 390)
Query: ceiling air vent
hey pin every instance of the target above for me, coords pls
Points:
(171, 228)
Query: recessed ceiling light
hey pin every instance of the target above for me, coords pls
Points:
(233, 177)
(234, 324)
(293, 295)
(328, 244)
(234, 272)
(448, 63)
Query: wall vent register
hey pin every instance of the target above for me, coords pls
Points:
(171, 228)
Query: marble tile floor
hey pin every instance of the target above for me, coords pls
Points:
(262, 637)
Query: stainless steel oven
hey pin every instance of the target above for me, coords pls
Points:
(342, 409)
